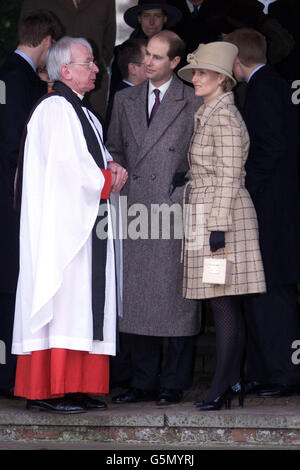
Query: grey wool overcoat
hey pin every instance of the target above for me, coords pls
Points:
(219, 202)
(153, 274)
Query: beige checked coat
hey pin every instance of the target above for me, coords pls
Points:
(217, 200)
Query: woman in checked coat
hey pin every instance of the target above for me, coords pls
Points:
(221, 217)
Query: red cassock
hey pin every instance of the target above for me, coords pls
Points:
(54, 372)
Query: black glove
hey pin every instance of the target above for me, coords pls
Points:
(179, 179)
(216, 240)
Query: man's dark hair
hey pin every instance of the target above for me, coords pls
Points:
(176, 44)
(34, 27)
(130, 51)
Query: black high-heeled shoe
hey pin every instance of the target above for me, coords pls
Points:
(238, 390)
(217, 403)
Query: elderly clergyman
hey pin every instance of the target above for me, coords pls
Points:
(66, 307)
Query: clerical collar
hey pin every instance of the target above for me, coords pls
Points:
(27, 58)
(266, 3)
(78, 94)
(254, 71)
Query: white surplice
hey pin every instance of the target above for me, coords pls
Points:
(60, 200)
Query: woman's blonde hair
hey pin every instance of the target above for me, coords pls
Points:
(227, 84)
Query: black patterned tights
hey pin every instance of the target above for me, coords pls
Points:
(230, 343)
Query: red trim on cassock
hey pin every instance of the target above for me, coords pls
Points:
(54, 372)
(107, 184)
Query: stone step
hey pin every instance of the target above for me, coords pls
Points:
(271, 423)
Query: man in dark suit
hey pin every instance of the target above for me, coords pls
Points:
(272, 181)
(130, 60)
(150, 131)
(201, 20)
(283, 45)
(23, 88)
(91, 19)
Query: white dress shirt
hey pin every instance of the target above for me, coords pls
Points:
(151, 95)
(255, 70)
(266, 3)
(191, 6)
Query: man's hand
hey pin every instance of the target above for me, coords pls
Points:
(119, 176)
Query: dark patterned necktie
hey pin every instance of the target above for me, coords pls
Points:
(156, 104)
(195, 12)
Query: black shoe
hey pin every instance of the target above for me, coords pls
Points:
(276, 390)
(252, 386)
(134, 395)
(237, 390)
(169, 396)
(217, 403)
(87, 402)
(62, 405)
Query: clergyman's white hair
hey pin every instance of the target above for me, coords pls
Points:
(60, 54)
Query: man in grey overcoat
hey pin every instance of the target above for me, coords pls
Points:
(153, 148)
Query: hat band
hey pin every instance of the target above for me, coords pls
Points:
(192, 60)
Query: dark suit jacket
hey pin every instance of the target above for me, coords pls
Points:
(287, 12)
(205, 27)
(272, 173)
(23, 89)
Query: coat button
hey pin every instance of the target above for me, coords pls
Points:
(153, 177)
(134, 177)
(171, 149)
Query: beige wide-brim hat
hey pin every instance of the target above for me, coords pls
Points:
(217, 56)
